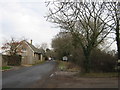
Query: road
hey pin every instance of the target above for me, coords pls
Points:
(27, 76)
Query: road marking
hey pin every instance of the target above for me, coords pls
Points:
(52, 75)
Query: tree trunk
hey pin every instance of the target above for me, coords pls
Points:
(118, 45)
(118, 39)
(87, 62)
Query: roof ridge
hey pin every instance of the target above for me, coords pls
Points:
(33, 47)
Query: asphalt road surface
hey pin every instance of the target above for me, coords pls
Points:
(28, 76)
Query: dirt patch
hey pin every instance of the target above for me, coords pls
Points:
(66, 73)
(61, 79)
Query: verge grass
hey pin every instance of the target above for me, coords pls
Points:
(39, 62)
(5, 67)
(67, 66)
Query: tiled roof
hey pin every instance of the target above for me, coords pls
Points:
(36, 50)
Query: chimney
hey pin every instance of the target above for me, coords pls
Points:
(31, 41)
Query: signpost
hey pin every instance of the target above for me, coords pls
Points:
(65, 58)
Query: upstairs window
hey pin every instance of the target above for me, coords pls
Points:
(24, 49)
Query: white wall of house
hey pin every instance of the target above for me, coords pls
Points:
(30, 56)
(27, 55)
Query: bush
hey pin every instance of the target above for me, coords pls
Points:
(12, 60)
(102, 62)
(77, 57)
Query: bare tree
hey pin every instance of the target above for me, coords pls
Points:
(44, 46)
(82, 21)
(113, 10)
(114, 14)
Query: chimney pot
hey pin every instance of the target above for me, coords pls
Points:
(30, 41)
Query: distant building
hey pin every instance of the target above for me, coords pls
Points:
(30, 54)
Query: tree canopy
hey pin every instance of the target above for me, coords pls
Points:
(87, 22)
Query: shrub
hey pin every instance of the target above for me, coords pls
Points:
(12, 60)
(102, 62)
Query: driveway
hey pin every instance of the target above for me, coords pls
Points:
(28, 76)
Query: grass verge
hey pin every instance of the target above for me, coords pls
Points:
(5, 67)
(39, 62)
(67, 66)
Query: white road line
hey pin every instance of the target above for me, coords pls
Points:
(51, 75)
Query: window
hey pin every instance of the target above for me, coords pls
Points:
(24, 49)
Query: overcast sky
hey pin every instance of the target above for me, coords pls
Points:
(25, 18)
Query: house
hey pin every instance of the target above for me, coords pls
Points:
(30, 54)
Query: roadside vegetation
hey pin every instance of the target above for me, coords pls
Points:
(71, 67)
(98, 75)
(85, 36)
(39, 62)
(5, 67)
(101, 61)
(68, 66)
